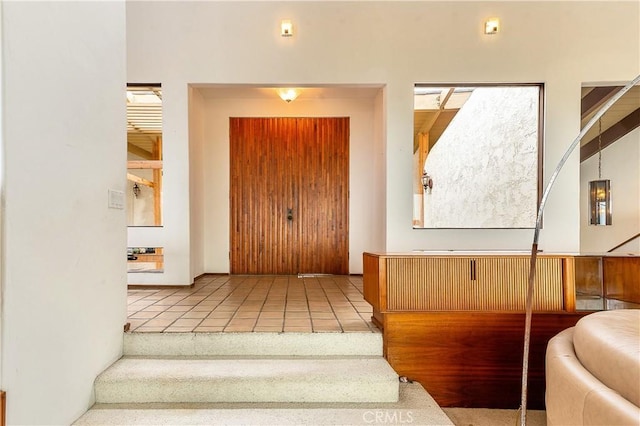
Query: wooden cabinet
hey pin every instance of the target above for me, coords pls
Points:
(395, 283)
(621, 276)
(455, 323)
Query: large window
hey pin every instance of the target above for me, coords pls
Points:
(144, 155)
(477, 152)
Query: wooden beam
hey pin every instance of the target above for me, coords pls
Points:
(595, 98)
(146, 164)
(428, 124)
(612, 134)
(140, 152)
(138, 179)
(157, 177)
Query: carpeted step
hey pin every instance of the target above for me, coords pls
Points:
(253, 344)
(415, 406)
(291, 379)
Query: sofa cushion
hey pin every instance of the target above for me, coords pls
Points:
(607, 344)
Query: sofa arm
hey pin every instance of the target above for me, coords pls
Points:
(574, 396)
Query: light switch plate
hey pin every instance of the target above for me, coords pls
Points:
(116, 199)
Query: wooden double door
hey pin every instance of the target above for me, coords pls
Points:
(289, 195)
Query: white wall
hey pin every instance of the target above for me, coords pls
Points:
(394, 44)
(620, 164)
(64, 268)
(197, 181)
(362, 155)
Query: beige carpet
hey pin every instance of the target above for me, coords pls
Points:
(491, 417)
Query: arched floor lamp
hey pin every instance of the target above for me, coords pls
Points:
(536, 234)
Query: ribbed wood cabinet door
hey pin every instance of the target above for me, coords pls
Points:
(289, 195)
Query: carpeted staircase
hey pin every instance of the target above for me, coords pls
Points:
(256, 378)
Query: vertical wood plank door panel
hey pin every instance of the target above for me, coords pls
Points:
(289, 195)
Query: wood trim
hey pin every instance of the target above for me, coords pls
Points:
(158, 286)
(569, 284)
(371, 280)
(144, 164)
(140, 152)
(612, 134)
(628, 240)
(384, 286)
(157, 179)
(210, 274)
(596, 98)
(3, 408)
(138, 179)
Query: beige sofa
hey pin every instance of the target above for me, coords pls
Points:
(593, 371)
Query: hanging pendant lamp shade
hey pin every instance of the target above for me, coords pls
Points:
(600, 202)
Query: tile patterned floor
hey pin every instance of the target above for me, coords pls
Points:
(238, 303)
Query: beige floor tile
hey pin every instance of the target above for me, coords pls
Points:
(140, 305)
(214, 322)
(178, 308)
(195, 314)
(273, 308)
(296, 314)
(173, 298)
(324, 322)
(258, 303)
(226, 308)
(159, 322)
(269, 323)
(187, 322)
(204, 308)
(246, 314)
(322, 316)
(171, 315)
(216, 314)
(145, 315)
(297, 322)
(242, 322)
(252, 305)
(271, 314)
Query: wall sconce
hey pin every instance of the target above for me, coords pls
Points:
(492, 26)
(288, 94)
(600, 192)
(286, 28)
(136, 190)
(427, 182)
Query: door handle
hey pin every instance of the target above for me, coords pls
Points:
(289, 214)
